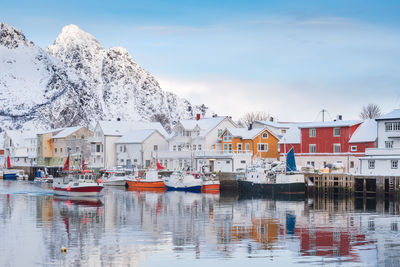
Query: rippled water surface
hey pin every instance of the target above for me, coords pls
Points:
(131, 228)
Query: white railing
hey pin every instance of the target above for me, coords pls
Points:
(200, 153)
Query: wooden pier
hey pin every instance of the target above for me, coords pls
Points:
(353, 184)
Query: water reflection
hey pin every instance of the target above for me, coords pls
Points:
(149, 228)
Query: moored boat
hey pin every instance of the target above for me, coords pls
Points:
(77, 184)
(260, 180)
(115, 178)
(148, 179)
(183, 181)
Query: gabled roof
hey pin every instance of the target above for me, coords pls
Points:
(51, 131)
(135, 136)
(18, 137)
(395, 114)
(324, 124)
(67, 131)
(292, 136)
(245, 133)
(366, 132)
(119, 128)
(275, 124)
(205, 124)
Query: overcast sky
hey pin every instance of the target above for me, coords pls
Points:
(287, 58)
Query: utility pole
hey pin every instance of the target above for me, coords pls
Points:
(323, 114)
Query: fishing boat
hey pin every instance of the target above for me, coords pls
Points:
(183, 181)
(77, 183)
(148, 179)
(43, 177)
(210, 181)
(115, 177)
(260, 180)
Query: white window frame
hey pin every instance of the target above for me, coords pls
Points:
(265, 135)
(353, 148)
(239, 150)
(334, 132)
(194, 147)
(314, 146)
(265, 149)
(312, 132)
(389, 144)
(247, 147)
(392, 126)
(371, 164)
(199, 147)
(227, 137)
(335, 146)
(230, 147)
(394, 164)
(174, 148)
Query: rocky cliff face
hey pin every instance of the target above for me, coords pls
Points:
(77, 81)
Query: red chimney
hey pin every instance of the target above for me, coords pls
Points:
(197, 117)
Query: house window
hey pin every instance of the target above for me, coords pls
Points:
(219, 132)
(265, 135)
(388, 144)
(230, 148)
(283, 131)
(313, 132)
(239, 148)
(97, 148)
(371, 164)
(351, 164)
(395, 164)
(174, 148)
(55, 150)
(247, 147)
(262, 147)
(336, 148)
(313, 148)
(124, 148)
(155, 147)
(198, 147)
(392, 126)
(120, 148)
(353, 148)
(225, 147)
(194, 147)
(243, 162)
(227, 137)
(336, 131)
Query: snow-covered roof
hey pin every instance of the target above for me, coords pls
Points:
(51, 131)
(275, 124)
(322, 124)
(120, 128)
(366, 132)
(136, 136)
(292, 136)
(18, 137)
(67, 131)
(205, 124)
(245, 133)
(395, 114)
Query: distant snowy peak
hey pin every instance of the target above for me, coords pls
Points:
(11, 37)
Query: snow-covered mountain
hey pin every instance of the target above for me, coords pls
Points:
(77, 81)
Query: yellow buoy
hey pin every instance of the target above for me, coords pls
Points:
(64, 250)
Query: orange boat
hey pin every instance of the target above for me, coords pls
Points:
(148, 180)
(210, 186)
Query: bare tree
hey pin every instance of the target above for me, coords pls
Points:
(251, 117)
(370, 111)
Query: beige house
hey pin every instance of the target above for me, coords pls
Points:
(54, 146)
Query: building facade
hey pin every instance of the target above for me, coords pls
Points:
(384, 159)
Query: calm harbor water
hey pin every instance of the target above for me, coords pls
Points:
(131, 228)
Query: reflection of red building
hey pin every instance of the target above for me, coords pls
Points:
(328, 242)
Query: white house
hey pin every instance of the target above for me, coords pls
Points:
(21, 146)
(107, 133)
(138, 148)
(196, 140)
(384, 160)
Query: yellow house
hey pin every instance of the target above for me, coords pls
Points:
(261, 142)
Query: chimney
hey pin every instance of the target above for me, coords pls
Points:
(250, 126)
(197, 116)
(339, 117)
